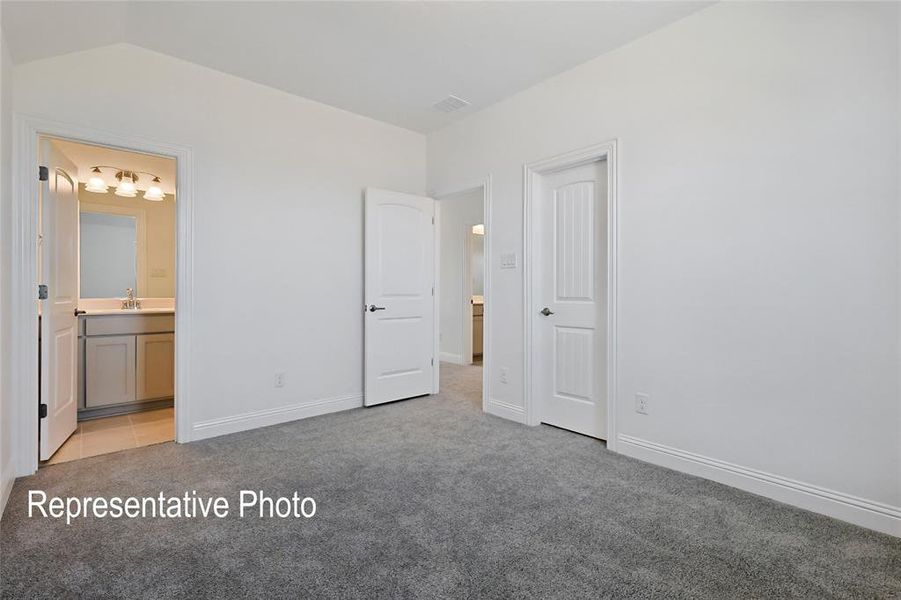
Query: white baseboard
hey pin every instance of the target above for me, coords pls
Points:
(505, 410)
(274, 416)
(866, 513)
(6, 484)
(457, 359)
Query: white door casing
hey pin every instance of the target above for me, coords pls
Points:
(399, 314)
(27, 133)
(59, 271)
(570, 283)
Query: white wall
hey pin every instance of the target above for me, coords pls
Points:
(759, 271)
(458, 212)
(278, 226)
(7, 469)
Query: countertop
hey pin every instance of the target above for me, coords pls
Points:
(93, 312)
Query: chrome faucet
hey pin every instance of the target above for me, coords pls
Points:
(130, 302)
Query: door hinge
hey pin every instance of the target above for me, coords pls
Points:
(43, 173)
(43, 293)
(433, 363)
(42, 411)
(433, 290)
(433, 220)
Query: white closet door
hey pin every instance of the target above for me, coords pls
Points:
(571, 301)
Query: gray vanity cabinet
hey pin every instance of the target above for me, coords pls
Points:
(478, 326)
(127, 360)
(156, 366)
(109, 370)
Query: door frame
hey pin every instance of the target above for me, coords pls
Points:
(24, 384)
(452, 190)
(531, 174)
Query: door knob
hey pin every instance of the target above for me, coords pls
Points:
(546, 311)
(373, 308)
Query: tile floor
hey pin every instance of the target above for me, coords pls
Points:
(111, 434)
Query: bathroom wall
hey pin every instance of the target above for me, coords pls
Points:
(478, 264)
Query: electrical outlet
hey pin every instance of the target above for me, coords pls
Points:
(642, 404)
(280, 379)
(505, 375)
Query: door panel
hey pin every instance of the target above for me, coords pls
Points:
(574, 208)
(399, 280)
(571, 279)
(156, 366)
(109, 370)
(59, 271)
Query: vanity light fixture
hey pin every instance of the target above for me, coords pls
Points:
(96, 183)
(127, 186)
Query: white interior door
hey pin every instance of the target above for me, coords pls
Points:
(59, 272)
(399, 292)
(569, 360)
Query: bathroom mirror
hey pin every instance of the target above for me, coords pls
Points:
(127, 243)
(108, 254)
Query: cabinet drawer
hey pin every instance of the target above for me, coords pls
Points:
(128, 324)
(156, 366)
(109, 370)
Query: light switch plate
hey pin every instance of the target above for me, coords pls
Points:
(508, 260)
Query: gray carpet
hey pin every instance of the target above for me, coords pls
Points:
(430, 498)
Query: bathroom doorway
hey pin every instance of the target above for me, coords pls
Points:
(474, 277)
(29, 267)
(463, 286)
(106, 312)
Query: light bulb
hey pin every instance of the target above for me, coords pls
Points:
(126, 187)
(96, 183)
(155, 192)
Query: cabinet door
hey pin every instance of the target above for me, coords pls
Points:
(109, 370)
(478, 323)
(156, 366)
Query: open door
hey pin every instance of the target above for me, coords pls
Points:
(399, 318)
(59, 272)
(570, 300)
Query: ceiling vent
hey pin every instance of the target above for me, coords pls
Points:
(450, 104)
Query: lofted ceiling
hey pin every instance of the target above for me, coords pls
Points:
(391, 61)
